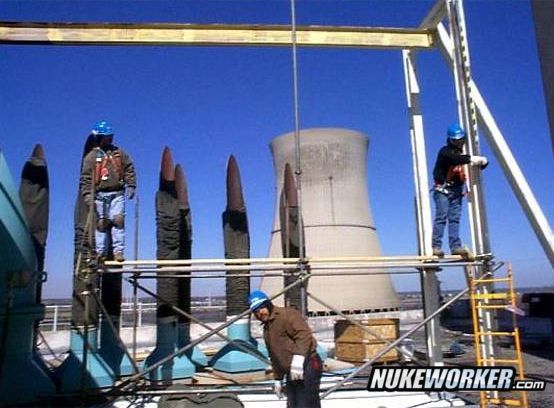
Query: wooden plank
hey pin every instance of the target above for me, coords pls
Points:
(222, 378)
(384, 329)
(220, 34)
(359, 352)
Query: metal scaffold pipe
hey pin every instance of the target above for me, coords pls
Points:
(285, 261)
(258, 275)
(152, 274)
(217, 268)
(396, 342)
(124, 384)
(193, 319)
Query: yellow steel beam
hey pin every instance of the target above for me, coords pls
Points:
(227, 35)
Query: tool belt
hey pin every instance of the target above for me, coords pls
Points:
(108, 196)
(449, 187)
(444, 188)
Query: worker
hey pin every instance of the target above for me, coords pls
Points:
(108, 171)
(292, 350)
(449, 189)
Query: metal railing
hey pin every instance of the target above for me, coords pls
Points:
(58, 317)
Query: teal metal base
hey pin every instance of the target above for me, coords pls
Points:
(98, 372)
(24, 381)
(195, 355)
(179, 367)
(112, 353)
(231, 359)
(39, 361)
(18, 358)
(323, 353)
(117, 360)
(260, 346)
(126, 366)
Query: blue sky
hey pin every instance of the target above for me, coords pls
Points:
(207, 102)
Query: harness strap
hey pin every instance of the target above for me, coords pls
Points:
(456, 173)
(102, 163)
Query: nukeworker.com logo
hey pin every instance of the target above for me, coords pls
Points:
(498, 378)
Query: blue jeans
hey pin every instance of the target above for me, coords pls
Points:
(448, 208)
(108, 206)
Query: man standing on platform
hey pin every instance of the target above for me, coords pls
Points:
(292, 350)
(449, 189)
(108, 171)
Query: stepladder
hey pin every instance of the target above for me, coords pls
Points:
(493, 294)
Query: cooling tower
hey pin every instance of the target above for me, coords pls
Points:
(337, 217)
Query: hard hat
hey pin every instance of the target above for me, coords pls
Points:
(102, 128)
(455, 132)
(257, 299)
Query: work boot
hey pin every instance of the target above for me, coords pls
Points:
(438, 252)
(118, 257)
(463, 252)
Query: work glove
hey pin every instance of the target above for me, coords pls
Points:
(278, 389)
(479, 161)
(130, 193)
(297, 368)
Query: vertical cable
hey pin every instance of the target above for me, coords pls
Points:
(298, 167)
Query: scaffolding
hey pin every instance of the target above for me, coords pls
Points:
(302, 269)
(432, 33)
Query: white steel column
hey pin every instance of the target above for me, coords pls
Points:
(477, 213)
(468, 117)
(429, 281)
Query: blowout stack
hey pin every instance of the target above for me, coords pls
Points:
(21, 260)
(85, 311)
(236, 239)
(174, 240)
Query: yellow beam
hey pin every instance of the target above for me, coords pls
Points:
(201, 35)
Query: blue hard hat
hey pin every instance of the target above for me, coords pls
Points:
(455, 132)
(102, 128)
(256, 300)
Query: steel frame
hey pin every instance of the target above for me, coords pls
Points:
(472, 108)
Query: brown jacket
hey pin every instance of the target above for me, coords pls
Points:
(113, 181)
(286, 333)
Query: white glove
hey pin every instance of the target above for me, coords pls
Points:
(297, 368)
(278, 389)
(479, 161)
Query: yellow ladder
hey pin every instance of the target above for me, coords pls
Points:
(485, 301)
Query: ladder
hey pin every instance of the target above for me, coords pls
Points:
(485, 300)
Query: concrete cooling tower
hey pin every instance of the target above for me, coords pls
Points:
(337, 217)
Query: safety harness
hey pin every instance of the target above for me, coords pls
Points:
(455, 175)
(103, 160)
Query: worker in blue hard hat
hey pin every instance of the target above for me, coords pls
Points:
(449, 188)
(292, 350)
(108, 171)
